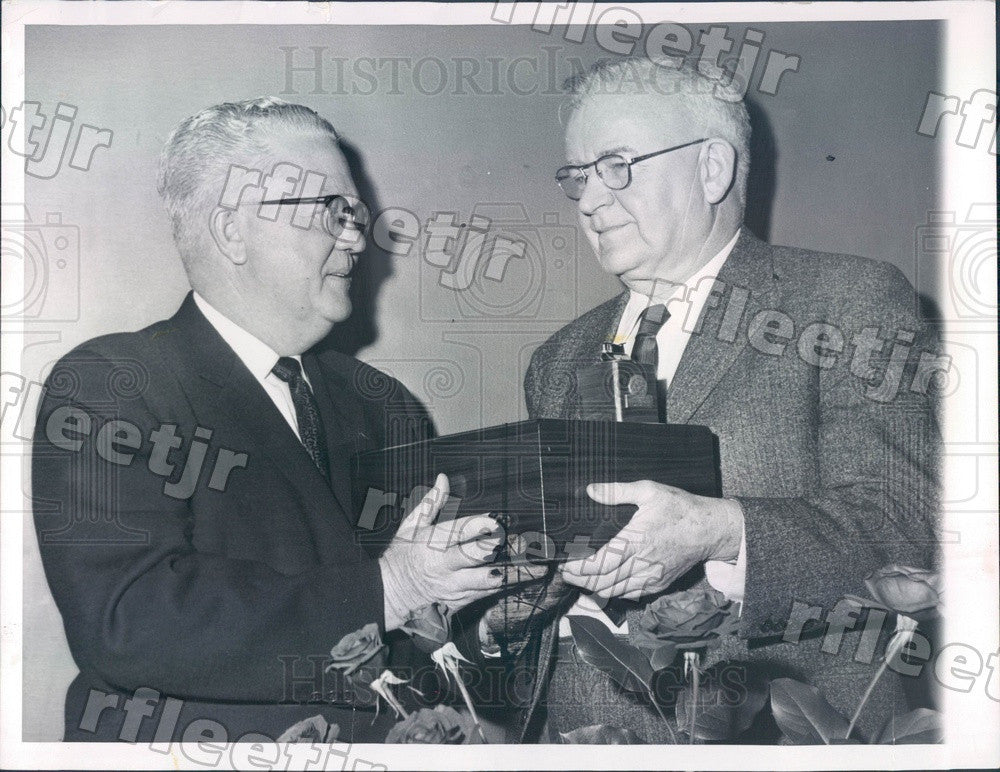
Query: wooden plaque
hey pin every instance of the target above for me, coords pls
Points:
(533, 477)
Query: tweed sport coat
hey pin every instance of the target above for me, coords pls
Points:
(835, 470)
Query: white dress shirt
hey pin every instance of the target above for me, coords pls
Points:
(685, 304)
(258, 357)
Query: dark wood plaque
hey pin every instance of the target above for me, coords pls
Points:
(532, 476)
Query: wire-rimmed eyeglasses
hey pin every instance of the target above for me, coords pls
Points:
(339, 212)
(614, 170)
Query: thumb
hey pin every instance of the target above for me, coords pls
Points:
(617, 493)
(427, 510)
(433, 501)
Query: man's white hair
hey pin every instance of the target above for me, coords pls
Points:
(713, 105)
(201, 151)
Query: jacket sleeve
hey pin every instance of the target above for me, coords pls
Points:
(876, 501)
(140, 605)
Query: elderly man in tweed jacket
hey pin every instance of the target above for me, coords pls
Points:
(812, 369)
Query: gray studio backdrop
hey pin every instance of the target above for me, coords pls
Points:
(442, 121)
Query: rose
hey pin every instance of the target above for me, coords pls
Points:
(915, 592)
(688, 619)
(429, 626)
(315, 729)
(356, 648)
(441, 725)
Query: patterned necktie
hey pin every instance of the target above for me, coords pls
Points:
(306, 412)
(645, 350)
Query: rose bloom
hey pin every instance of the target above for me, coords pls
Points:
(687, 617)
(429, 627)
(906, 590)
(314, 729)
(441, 725)
(357, 647)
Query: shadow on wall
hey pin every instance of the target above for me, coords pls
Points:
(761, 186)
(761, 182)
(373, 268)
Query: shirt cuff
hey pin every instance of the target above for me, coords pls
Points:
(730, 577)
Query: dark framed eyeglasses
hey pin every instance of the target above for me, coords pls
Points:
(614, 170)
(339, 212)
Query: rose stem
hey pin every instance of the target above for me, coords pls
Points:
(468, 700)
(866, 695)
(396, 704)
(695, 683)
(898, 641)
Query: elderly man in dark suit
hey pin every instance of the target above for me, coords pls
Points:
(806, 366)
(191, 479)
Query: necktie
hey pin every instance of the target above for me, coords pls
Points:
(645, 350)
(646, 353)
(306, 412)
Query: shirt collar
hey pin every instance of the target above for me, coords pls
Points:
(638, 302)
(258, 357)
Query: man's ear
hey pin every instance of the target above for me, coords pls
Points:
(718, 170)
(228, 235)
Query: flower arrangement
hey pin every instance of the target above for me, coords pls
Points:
(678, 628)
(674, 631)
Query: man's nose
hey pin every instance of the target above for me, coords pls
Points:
(351, 240)
(595, 194)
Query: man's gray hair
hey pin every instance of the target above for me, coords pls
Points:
(201, 151)
(714, 103)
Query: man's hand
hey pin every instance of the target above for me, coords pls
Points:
(427, 563)
(526, 608)
(671, 532)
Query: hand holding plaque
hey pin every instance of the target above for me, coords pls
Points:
(535, 593)
(438, 563)
(671, 532)
(533, 477)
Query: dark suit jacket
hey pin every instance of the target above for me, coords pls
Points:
(835, 480)
(227, 594)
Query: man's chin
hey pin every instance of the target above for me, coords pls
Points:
(337, 304)
(340, 312)
(617, 264)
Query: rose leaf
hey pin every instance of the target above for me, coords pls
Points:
(920, 726)
(599, 648)
(803, 714)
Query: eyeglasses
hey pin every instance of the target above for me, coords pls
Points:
(614, 170)
(339, 212)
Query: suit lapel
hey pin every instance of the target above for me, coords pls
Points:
(721, 334)
(600, 328)
(236, 392)
(606, 331)
(342, 414)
